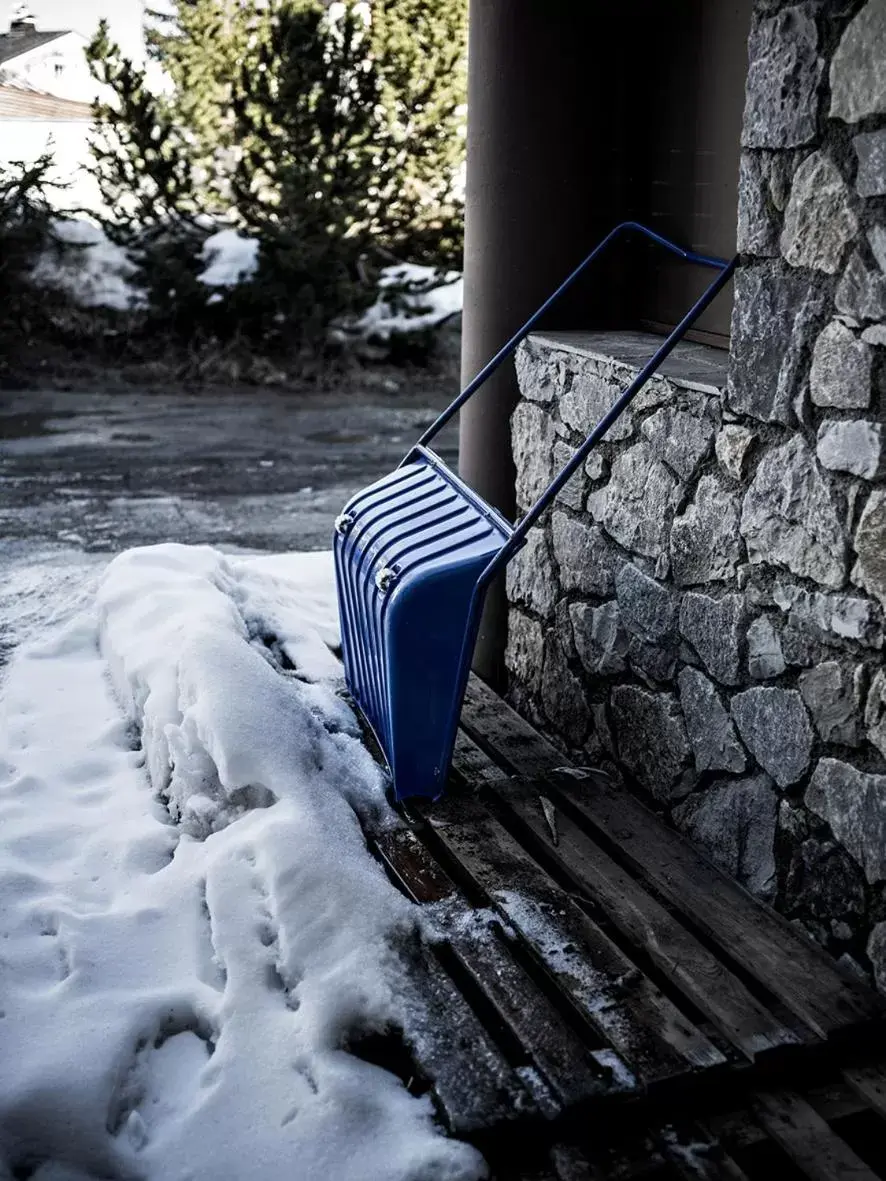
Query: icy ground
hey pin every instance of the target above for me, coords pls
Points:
(190, 925)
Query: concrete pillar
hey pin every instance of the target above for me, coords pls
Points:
(539, 156)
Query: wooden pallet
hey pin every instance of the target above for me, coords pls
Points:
(590, 967)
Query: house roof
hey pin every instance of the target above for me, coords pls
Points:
(20, 41)
(21, 102)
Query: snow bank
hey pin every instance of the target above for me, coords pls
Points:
(94, 273)
(191, 922)
(230, 259)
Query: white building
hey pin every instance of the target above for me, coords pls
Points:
(46, 91)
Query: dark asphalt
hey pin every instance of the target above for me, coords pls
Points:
(85, 475)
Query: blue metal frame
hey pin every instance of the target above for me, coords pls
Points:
(415, 553)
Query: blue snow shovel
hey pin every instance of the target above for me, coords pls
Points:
(414, 555)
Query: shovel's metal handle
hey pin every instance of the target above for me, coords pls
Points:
(725, 267)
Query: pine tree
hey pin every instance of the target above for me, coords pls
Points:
(331, 132)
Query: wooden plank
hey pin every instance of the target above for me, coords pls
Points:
(801, 975)
(475, 1086)
(644, 1028)
(685, 961)
(696, 1155)
(810, 1143)
(569, 1071)
(869, 1084)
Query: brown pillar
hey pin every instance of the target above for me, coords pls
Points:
(539, 111)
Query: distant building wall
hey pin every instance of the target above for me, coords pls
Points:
(704, 611)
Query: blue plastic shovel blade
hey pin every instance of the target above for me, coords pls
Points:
(409, 554)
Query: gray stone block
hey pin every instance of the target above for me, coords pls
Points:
(854, 804)
(855, 446)
(824, 882)
(875, 334)
(861, 293)
(831, 618)
(600, 639)
(777, 314)
(858, 80)
(681, 439)
(732, 446)
(877, 242)
(650, 737)
(524, 653)
(584, 556)
(774, 726)
(652, 662)
(541, 373)
(648, 609)
(592, 395)
(870, 547)
(734, 820)
(757, 222)
(841, 369)
(876, 950)
(715, 628)
(562, 695)
(708, 724)
(790, 518)
(765, 655)
(832, 692)
(875, 712)
(781, 102)
(639, 501)
(705, 541)
(870, 148)
(819, 221)
(572, 494)
(530, 576)
(532, 445)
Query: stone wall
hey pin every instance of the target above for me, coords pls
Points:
(702, 613)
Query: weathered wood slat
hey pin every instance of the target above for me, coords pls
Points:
(686, 962)
(572, 1073)
(869, 1084)
(698, 1157)
(807, 1139)
(475, 1086)
(655, 1040)
(786, 963)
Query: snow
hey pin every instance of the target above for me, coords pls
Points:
(191, 924)
(230, 259)
(94, 273)
(411, 297)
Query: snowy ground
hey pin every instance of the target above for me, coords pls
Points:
(191, 925)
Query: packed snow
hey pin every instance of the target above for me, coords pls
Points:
(411, 298)
(91, 269)
(230, 259)
(191, 923)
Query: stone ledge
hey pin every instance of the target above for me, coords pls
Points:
(691, 365)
